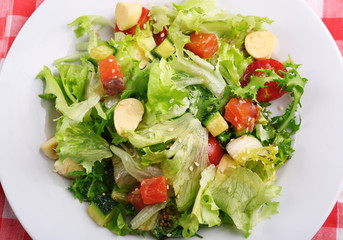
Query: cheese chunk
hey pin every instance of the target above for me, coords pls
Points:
(127, 14)
(64, 169)
(242, 144)
(127, 115)
(225, 162)
(48, 148)
(260, 45)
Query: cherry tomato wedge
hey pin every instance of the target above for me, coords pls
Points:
(205, 45)
(271, 90)
(135, 198)
(111, 77)
(143, 19)
(159, 37)
(215, 152)
(154, 190)
(243, 114)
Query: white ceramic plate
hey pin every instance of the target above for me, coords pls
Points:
(310, 181)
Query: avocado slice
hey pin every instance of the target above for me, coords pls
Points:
(165, 49)
(216, 124)
(102, 209)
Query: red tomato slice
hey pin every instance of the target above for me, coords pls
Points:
(135, 198)
(271, 90)
(205, 45)
(111, 77)
(143, 19)
(242, 114)
(159, 37)
(215, 152)
(154, 190)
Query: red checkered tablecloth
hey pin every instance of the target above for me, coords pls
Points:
(14, 13)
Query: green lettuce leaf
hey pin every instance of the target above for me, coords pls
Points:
(196, 71)
(243, 196)
(146, 213)
(151, 157)
(148, 135)
(291, 81)
(129, 159)
(163, 16)
(240, 26)
(87, 25)
(74, 79)
(188, 4)
(204, 208)
(126, 52)
(202, 102)
(232, 28)
(75, 111)
(279, 130)
(173, 102)
(87, 186)
(134, 48)
(137, 84)
(71, 58)
(265, 133)
(190, 225)
(118, 223)
(145, 40)
(232, 64)
(263, 161)
(79, 142)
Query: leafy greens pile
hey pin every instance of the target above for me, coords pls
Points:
(178, 94)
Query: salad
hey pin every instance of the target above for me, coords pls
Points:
(165, 127)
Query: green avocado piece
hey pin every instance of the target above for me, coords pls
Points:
(102, 52)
